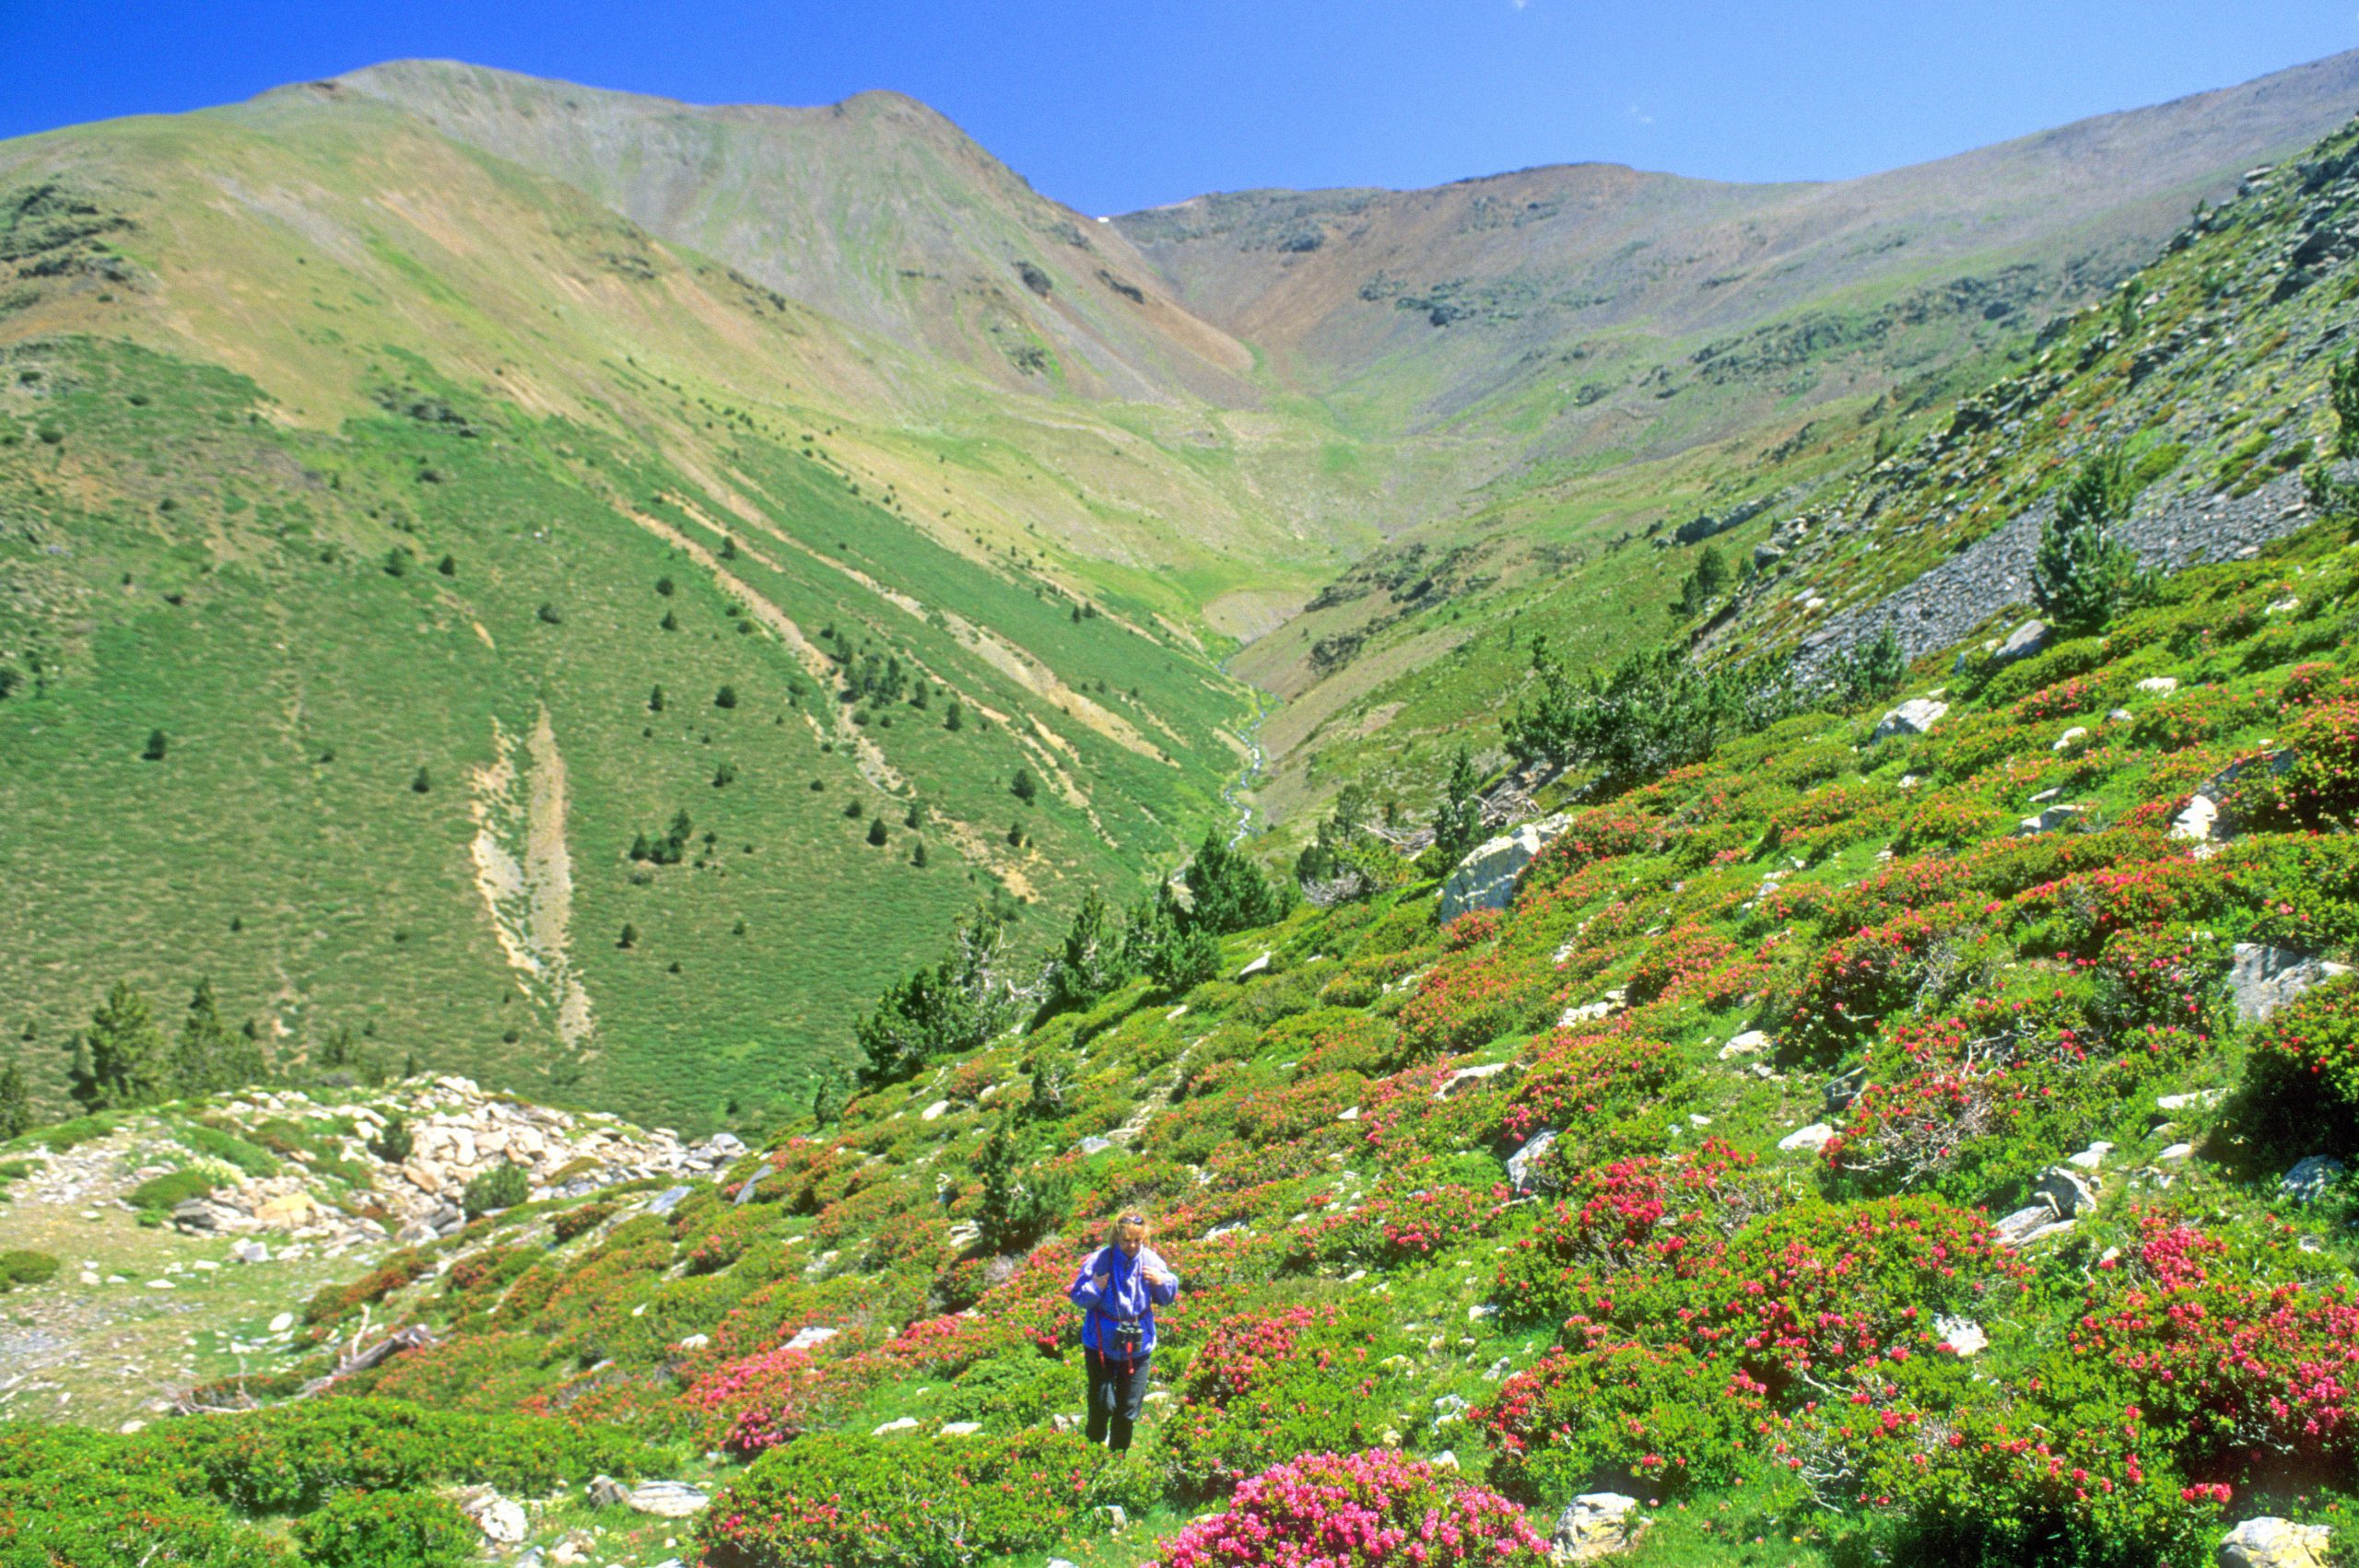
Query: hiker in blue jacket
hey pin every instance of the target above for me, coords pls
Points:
(1118, 1290)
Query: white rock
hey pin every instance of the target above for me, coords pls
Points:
(1520, 1163)
(282, 1322)
(2093, 1156)
(502, 1520)
(1256, 967)
(1809, 1140)
(933, 1112)
(804, 1338)
(2022, 643)
(1595, 1524)
(2160, 685)
(2192, 1099)
(903, 1424)
(2178, 1152)
(1466, 1075)
(2271, 1542)
(2048, 821)
(1962, 1335)
(961, 1428)
(2195, 821)
(2263, 980)
(1916, 717)
(2066, 741)
(1486, 878)
(1752, 1042)
(1351, 1113)
(669, 1499)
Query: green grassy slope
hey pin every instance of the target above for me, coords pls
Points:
(281, 847)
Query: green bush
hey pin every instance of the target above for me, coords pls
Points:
(22, 1266)
(171, 1189)
(1009, 1395)
(837, 1500)
(503, 1187)
(386, 1529)
(214, 1143)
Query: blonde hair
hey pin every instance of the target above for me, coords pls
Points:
(1128, 1219)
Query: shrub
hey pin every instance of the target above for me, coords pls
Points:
(171, 1189)
(2309, 1049)
(386, 1529)
(1264, 1387)
(1371, 1509)
(394, 1143)
(1619, 1415)
(842, 1501)
(2315, 784)
(22, 1266)
(504, 1187)
(1587, 1080)
(214, 1143)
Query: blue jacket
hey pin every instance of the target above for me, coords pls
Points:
(1128, 1292)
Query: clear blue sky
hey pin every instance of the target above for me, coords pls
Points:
(1119, 104)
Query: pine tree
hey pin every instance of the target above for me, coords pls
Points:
(244, 1060)
(1024, 787)
(448, 565)
(955, 718)
(1457, 822)
(121, 1059)
(201, 1057)
(670, 622)
(1090, 964)
(2333, 498)
(955, 1008)
(725, 698)
(1016, 1206)
(877, 834)
(828, 1099)
(422, 781)
(917, 855)
(629, 937)
(16, 1103)
(655, 700)
(2081, 575)
(155, 749)
(1229, 893)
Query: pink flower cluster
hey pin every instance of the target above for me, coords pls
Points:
(1367, 1510)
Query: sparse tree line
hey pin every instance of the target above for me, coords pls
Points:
(124, 1059)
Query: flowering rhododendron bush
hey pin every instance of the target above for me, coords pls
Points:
(2311, 1049)
(1667, 1421)
(1267, 1385)
(1362, 1510)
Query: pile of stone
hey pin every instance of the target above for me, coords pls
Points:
(458, 1132)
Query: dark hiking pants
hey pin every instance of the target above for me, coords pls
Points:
(1116, 1387)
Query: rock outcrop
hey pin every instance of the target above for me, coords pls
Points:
(1485, 879)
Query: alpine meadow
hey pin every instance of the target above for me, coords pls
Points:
(1677, 861)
